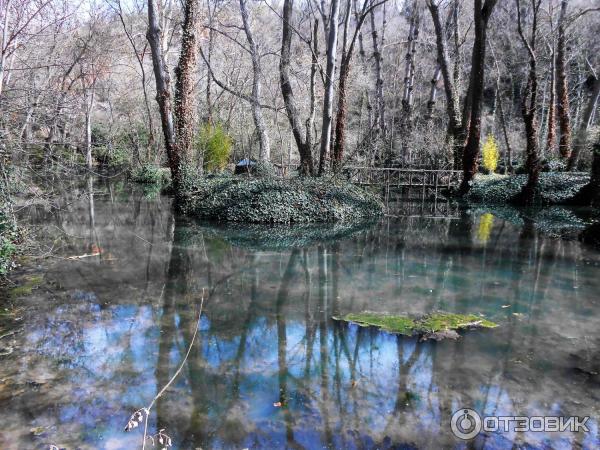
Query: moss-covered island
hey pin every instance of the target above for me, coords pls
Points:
(270, 199)
(438, 325)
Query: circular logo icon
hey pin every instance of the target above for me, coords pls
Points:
(465, 424)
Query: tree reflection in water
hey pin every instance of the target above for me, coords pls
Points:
(270, 369)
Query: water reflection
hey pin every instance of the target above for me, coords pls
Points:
(269, 368)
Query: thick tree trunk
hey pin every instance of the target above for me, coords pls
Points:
(259, 121)
(471, 150)
(163, 85)
(582, 134)
(551, 136)
(306, 160)
(455, 125)
(329, 83)
(562, 86)
(184, 87)
(437, 75)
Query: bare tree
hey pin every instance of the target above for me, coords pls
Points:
(140, 54)
(331, 57)
(306, 159)
(347, 51)
(259, 121)
(163, 84)
(529, 105)
(455, 123)
(379, 119)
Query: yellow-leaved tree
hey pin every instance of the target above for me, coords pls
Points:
(490, 154)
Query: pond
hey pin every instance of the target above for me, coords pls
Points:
(112, 318)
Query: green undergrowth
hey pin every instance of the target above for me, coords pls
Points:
(268, 199)
(150, 174)
(10, 237)
(434, 323)
(554, 187)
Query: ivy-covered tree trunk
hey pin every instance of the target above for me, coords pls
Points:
(562, 86)
(184, 87)
(471, 149)
(551, 136)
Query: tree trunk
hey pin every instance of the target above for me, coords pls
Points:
(259, 121)
(409, 70)
(184, 87)
(89, 106)
(471, 150)
(329, 82)
(551, 136)
(306, 160)
(455, 125)
(379, 119)
(562, 86)
(163, 85)
(310, 122)
(3, 44)
(529, 111)
(582, 134)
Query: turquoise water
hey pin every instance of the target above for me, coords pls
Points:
(269, 368)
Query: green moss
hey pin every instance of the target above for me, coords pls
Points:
(447, 321)
(27, 286)
(394, 324)
(405, 325)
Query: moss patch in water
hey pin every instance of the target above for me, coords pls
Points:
(431, 323)
(27, 286)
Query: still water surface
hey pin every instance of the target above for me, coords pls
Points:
(270, 368)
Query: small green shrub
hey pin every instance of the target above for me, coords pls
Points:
(215, 145)
(111, 157)
(150, 174)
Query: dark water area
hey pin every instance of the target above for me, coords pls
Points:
(116, 310)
